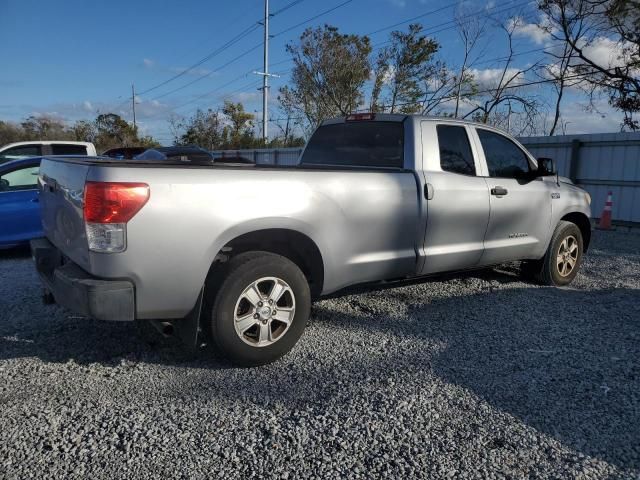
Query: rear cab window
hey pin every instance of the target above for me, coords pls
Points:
(455, 150)
(373, 144)
(65, 149)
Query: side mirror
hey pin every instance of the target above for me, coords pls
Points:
(546, 167)
(4, 184)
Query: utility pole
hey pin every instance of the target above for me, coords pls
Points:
(265, 78)
(133, 104)
(265, 73)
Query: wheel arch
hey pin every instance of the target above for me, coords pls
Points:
(292, 244)
(583, 223)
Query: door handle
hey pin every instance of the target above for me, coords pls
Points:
(428, 191)
(35, 200)
(499, 191)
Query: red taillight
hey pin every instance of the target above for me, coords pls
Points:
(113, 202)
(360, 117)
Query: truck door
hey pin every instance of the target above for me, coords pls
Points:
(520, 216)
(456, 196)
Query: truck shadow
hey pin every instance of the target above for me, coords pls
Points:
(53, 334)
(565, 362)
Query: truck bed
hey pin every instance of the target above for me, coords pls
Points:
(134, 163)
(366, 222)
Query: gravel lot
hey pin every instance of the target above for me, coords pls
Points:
(478, 377)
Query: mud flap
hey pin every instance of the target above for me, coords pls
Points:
(189, 329)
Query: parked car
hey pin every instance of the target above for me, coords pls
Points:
(14, 151)
(240, 253)
(123, 153)
(19, 207)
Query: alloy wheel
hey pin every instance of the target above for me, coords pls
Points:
(264, 311)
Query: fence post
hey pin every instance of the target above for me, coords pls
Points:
(574, 160)
(275, 157)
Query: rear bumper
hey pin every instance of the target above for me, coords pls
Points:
(80, 292)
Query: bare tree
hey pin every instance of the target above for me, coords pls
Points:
(471, 29)
(489, 104)
(582, 24)
(561, 73)
(440, 88)
(287, 137)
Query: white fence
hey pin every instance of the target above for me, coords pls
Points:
(268, 156)
(599, 163)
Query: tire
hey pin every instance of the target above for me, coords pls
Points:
(562, 260)
(245, 327)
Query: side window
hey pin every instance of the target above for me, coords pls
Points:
(455, 150)
(23, 151)
(504, 158)
(21, 179)
(62, 149)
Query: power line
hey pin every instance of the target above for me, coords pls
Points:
(489, 60)
(206, 94)
(311, 19)
(233, 60)
(494, 10)
(287, 7)
(291, 4)
(245, 32)
(507, 87)
(429, 31)
(506, 57)
(220, 49)
(255, 47)
(253, 84)
(209, 93)
(251, 28)
(379, 46)
(480, 92)
(422, 15)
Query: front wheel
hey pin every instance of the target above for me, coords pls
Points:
(563, 258)
(261, 308)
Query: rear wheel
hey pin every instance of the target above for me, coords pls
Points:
(260, 309)
(562, 260)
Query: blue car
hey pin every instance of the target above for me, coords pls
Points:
(19, 202)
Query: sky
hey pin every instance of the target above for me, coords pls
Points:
(72, 59)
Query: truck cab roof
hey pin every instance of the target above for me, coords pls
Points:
(401, 117)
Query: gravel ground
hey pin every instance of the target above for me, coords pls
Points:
(477, 377)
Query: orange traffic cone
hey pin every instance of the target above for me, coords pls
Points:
(605, 217)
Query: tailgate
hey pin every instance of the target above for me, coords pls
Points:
(61, 201)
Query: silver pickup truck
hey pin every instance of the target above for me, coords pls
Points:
(237, 253)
